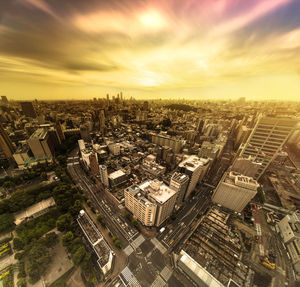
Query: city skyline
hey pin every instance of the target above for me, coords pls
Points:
(175, 49)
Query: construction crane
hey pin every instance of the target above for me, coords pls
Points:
(263, 258)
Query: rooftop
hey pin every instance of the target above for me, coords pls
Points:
(157, 190)
(116, 174)
(33, 209)
(95, 238)
(192, 162)
(40, 133)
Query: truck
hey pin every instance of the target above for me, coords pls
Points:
(162, 230)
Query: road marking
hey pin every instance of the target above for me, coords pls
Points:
(128, 250)
(138, 241)
(158, 245)
(130, 278)
(158, 282)
(166, 273)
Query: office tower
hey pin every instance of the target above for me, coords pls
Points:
(6, 146)
(85, 133)
(242, 136)
(266, 139)
(102, 121)
(94, 165)
(4, 99)
(179, 182)
(40, 144)
(151, 203)
(59, 131)
(196, 169)
(235, 191)
(104, 175)
(209, 150)
(28, 109)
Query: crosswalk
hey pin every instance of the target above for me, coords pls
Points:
(158, 245)
(138, 241)
(130, 279)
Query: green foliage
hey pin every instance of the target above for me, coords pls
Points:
(6, 222)
(34, 229)
(67, 238)
(24, 198)
(38, 261)
(63, 223)
(79, 255)
(21, 282)
(18, 244)
(99, 217)
(50, 240)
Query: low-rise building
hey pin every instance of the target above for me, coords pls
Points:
(101, 248)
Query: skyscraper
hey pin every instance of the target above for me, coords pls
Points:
(94, 165)
(102, 121)
(196, 169)
(179, 182)
(28, 109)
(6, 146)
(266, 139)
(40, 143)
(104, 175)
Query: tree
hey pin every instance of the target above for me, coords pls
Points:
(67, 238)
(51, 239)
(6, 222)
(38, 261)
(79, 255)
(99, 217)
(63, 222)
(18, 244)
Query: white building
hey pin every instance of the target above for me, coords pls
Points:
(98, 243)
(195, 168)
(151, 203)
(179, 182)
(103, 175)
(114, 148)
(289, 229)
(235, 191)
(246, 166)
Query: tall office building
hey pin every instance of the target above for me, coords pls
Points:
(104, 175)
(6, 146)
(28, 109)
(196, 169)
(40, 143)
(266, 139)
(102, 121)
(235, 191)
(94, 165)
(179, 182)
(4, 99)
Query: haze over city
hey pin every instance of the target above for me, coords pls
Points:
(220, 49)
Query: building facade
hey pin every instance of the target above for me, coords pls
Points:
(266, 140)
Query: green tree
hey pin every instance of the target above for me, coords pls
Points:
(79, 255)
(63, 222)
(99, 217)
(18, 244)
(6, 222)
(38, 261)
(51, 239)
(67, 238)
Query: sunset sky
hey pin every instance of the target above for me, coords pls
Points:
(197, 49)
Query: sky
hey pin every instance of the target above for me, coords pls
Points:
(192, 49)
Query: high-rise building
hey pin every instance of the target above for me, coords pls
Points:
(151, 203)
(4, 99)
(165, 140)
(102, 121)
(235, 191)
(142, 208)
(196, 169)
(104, 175)
(60, 133)
(28, 109)
(40, 143)
(94, 165)
(179, 182)
(266, 140)
(85, 133)
(6, 146)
